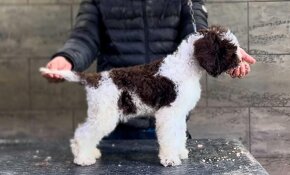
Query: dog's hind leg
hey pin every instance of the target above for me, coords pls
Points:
(103, 116)
(170, 124)
(89, 134)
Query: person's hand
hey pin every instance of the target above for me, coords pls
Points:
(57, 63)
(244, 66)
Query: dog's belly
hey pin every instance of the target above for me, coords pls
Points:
(142, 109)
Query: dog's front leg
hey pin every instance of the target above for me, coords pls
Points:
(170, 127)
(183, 152)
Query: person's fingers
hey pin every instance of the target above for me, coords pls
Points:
(49, 65)
(231, 72)
(237, 72)
(57, 76)
(45, 75)
(50, 75)
(242, 71)
(50, 78)
(52, 66)
(55, 66)
(246, 57)
(248, 68)
(58, 67)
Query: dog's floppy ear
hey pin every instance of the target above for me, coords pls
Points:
(214, 52)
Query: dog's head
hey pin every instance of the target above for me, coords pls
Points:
(216, 51)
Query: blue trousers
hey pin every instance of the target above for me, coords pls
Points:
(123, 132)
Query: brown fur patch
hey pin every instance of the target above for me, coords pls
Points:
(216, 29)
(90, 79)
(214, 54)
(126, 104)
(154, 91)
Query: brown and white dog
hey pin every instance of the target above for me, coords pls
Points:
(167, 89)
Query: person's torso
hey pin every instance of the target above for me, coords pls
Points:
(136, 32)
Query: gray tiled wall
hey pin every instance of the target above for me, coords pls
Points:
(254, 110)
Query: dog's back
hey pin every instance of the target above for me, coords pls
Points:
(142, 81)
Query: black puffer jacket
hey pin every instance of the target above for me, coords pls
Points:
(122, 33)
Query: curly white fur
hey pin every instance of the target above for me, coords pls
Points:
(104, 114)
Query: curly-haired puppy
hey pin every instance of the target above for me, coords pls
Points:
(167, 89)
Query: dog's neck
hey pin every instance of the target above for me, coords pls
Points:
(181, 63)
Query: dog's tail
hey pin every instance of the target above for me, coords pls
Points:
(66, 74)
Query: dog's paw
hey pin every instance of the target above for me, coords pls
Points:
(85, 161)
(97, 153)
(170, 161)
(184, 154)
(74, 147)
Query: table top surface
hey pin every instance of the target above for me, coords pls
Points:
(218, 156)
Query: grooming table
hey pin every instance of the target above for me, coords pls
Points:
(206, 157)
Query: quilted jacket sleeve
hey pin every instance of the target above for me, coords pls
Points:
(193, 17)
(82, 47)
(200, 14)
